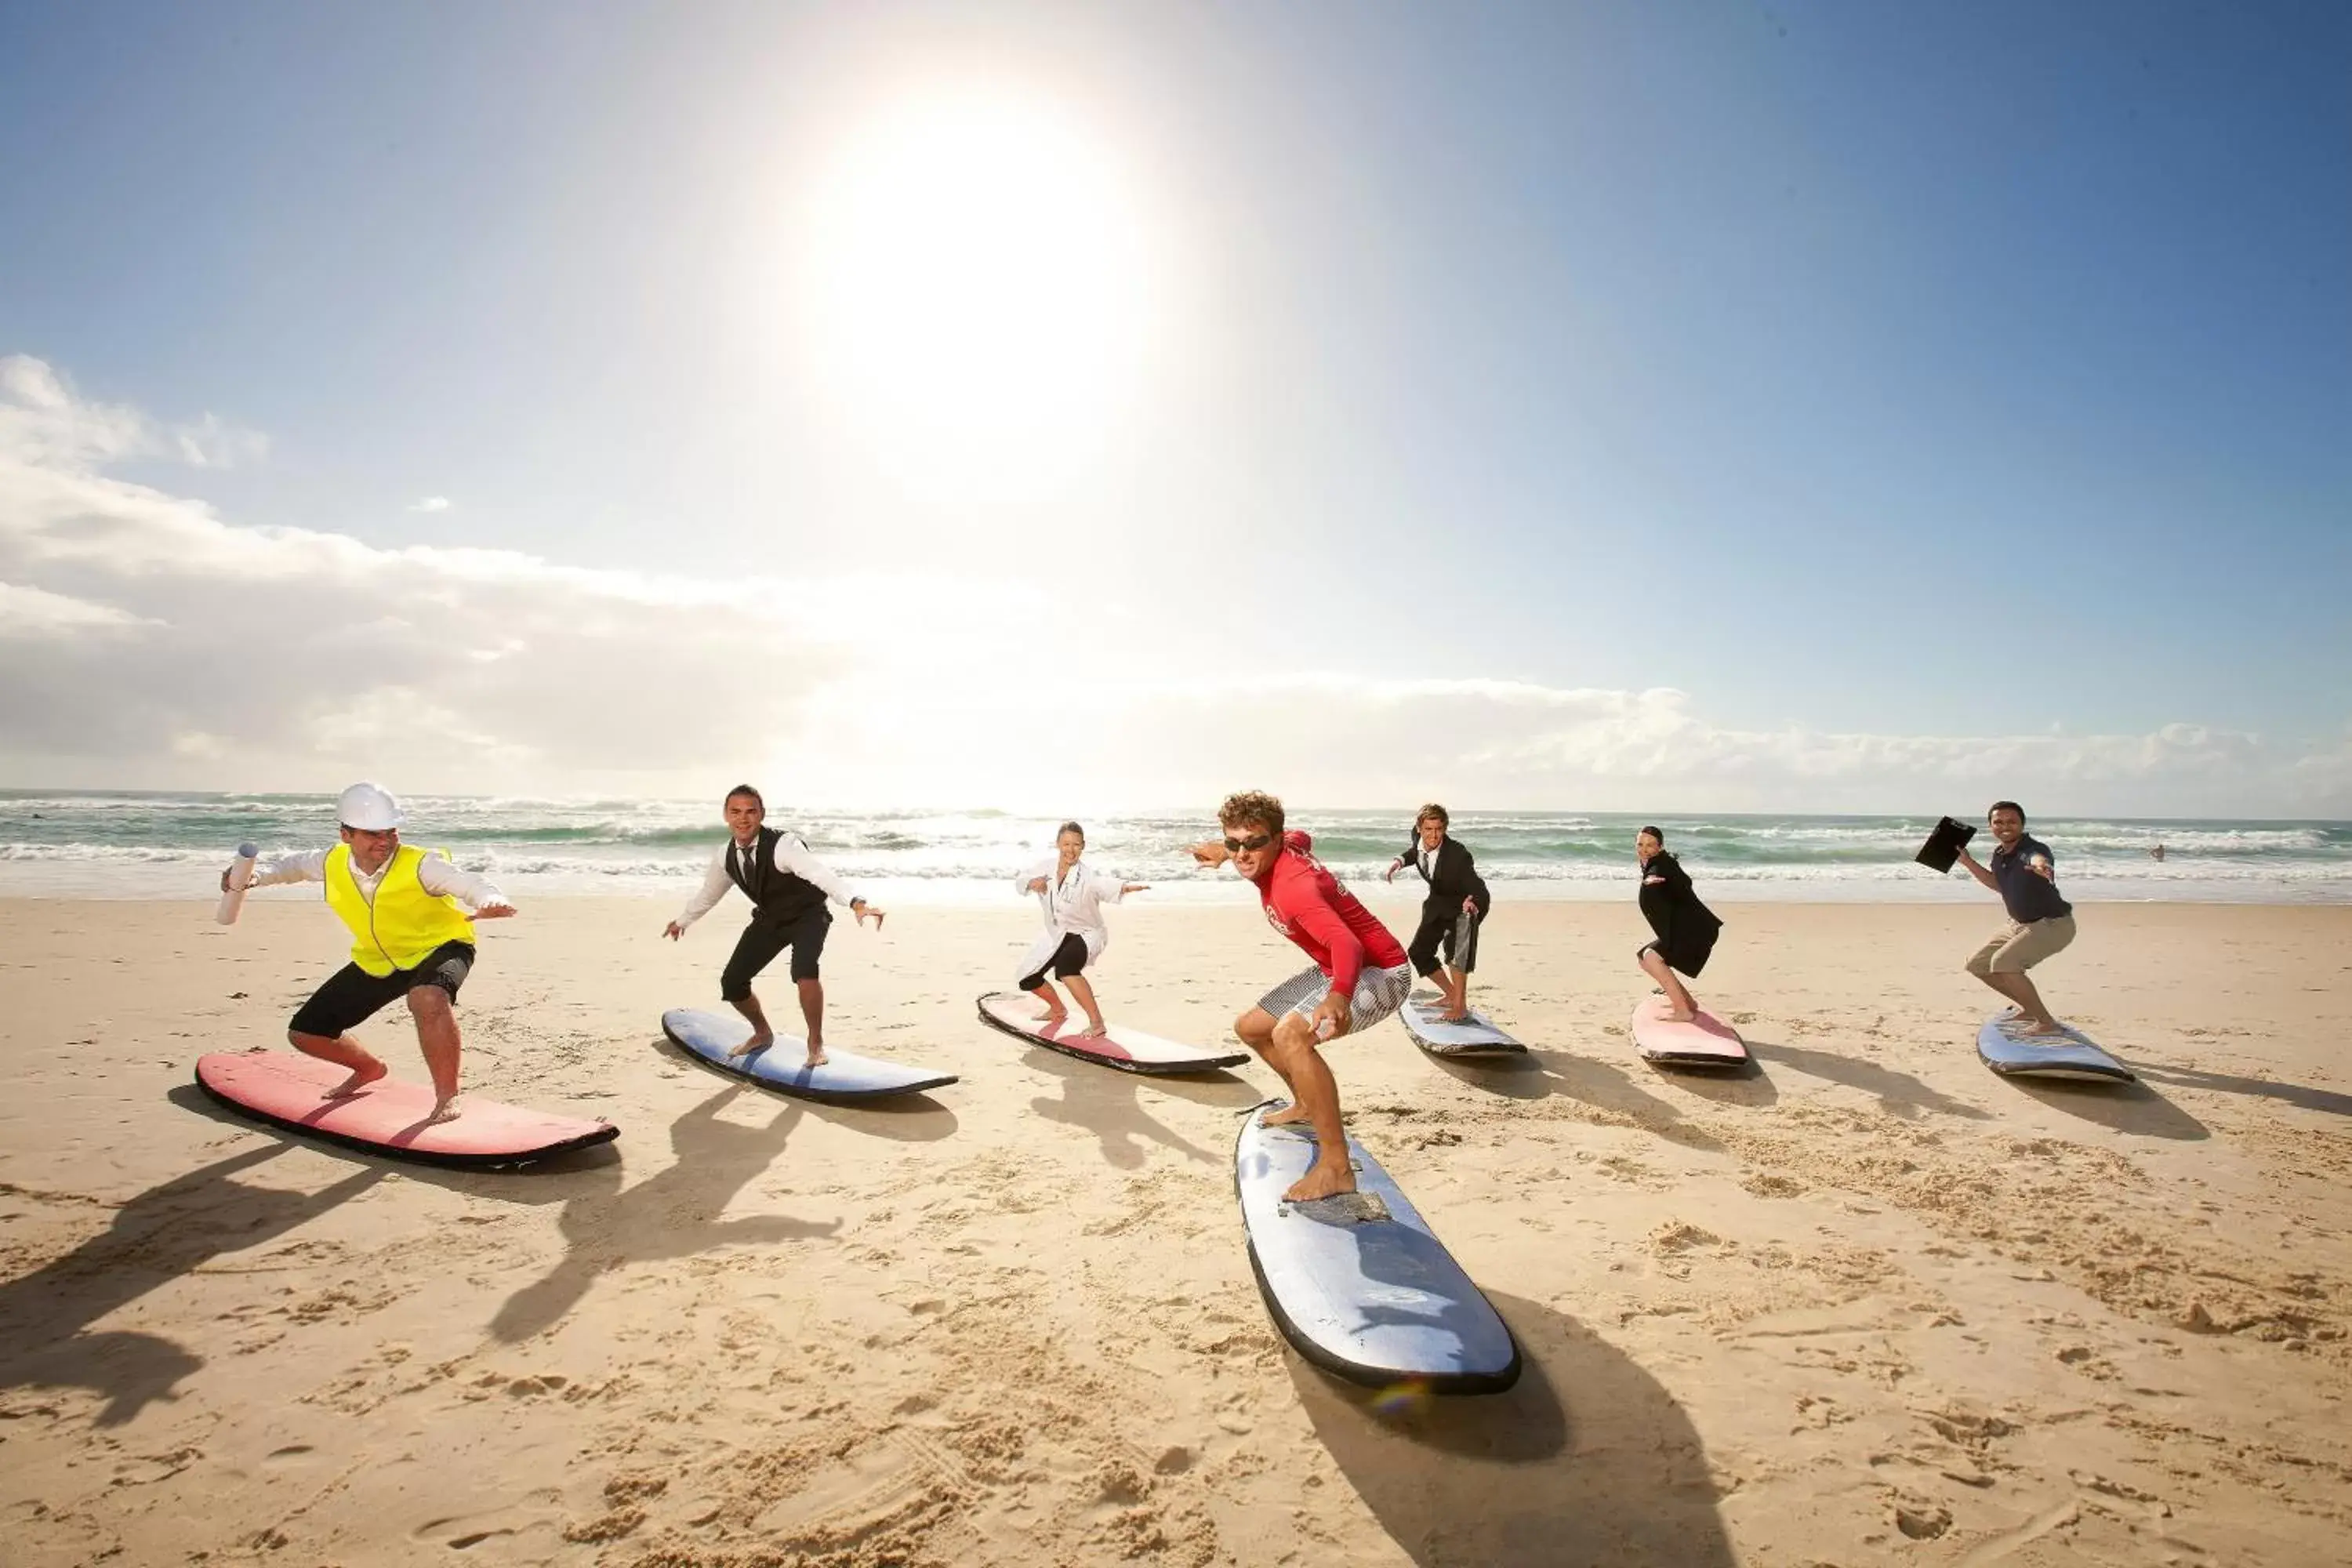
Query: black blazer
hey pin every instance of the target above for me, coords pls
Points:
(1457, 878)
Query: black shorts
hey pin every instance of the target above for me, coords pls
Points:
(761, 941)
(1068, 959)
(352, 996)
(1450, 928)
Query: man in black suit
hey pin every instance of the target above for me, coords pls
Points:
(1450, 916)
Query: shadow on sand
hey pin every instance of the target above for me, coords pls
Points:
(1586, 1460)
(2327, 1101)
(672, 1213)
(164, 1232)
(907, 1118)
(1604, 1086)
(1746, 1085)
(1109, 1104)
(2129, 1108)
(1898, 1093)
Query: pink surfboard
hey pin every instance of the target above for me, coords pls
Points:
(1128, 1050)
(1706, 1041)
(388, 1116)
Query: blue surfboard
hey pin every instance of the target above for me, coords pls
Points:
(1359, 1284)
(783, 1066)
(1475, 1036)
(2070, 1055)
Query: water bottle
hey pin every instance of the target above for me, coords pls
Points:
(240, 875)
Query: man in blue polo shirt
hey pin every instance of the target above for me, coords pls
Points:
(2039, 921)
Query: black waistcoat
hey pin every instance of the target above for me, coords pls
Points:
(779, 898)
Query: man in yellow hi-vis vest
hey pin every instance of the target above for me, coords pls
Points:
(409, 939)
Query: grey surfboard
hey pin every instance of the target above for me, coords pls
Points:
(2070, 1055)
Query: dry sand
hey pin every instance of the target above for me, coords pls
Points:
(1870, 1305)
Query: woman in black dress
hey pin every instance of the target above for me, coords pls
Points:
(1685, 928)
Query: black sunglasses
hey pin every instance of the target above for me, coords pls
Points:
(1236, 846)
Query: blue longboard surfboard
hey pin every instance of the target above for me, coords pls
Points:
(2070, 1055)
(1475, 1036)
(783, 1066)
(1359, 1284)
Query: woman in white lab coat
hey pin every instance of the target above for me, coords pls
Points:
(1071, 898)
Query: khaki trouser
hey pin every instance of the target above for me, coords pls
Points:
(2021, 944)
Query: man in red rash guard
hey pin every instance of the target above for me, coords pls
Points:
(1360, 975)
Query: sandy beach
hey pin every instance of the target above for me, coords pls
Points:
(1869, 1304)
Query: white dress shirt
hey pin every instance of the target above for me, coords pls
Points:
(792, 857)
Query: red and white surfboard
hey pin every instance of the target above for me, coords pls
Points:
(388, 1117)
(1128, 1050)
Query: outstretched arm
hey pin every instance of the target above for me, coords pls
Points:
(306, 865)
(438, 876)
(1977, 869)
(1211, 853)
(713, 888)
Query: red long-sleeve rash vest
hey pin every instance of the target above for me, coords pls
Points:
(1306, 903)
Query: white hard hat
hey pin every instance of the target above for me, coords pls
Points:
(372, 808)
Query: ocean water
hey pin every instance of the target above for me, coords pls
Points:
(150, 846)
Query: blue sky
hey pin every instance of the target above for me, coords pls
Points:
(1939, 373)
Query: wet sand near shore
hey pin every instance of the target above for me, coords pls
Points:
(1868, 1303)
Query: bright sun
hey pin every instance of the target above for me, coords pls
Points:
(981, 288)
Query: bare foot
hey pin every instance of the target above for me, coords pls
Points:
(1324, 1178)
(444, 1110)
(360, 1077)
(760, 1041)
(817, 1056)
(1095, 1030)
(1050, 1015)
(1288, 1116)
(1461, 1015)
(1671, 1016)
(2049, 1031)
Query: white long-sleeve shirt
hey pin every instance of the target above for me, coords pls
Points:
(792, 857)
(435, 873)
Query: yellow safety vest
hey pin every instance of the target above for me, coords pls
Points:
(405, 923)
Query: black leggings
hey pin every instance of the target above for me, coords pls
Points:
(1068, 959)
(1459, 933)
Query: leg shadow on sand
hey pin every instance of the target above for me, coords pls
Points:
(672, 1213)
(164, 1233)
(1586, 1460)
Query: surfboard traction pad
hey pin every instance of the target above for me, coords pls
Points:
(604, 1133)
(1502, 1046)
(2103, 1068)
(1321, 1211)
(1149, 1070)
(829, 1096)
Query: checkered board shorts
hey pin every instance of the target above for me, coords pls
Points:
(1378, 992)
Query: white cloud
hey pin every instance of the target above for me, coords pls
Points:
(213, 443)
(44, 421)
(38, 614)
(155, 644)
(431, 503)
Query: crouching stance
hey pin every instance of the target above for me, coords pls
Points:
(788, 887)
(410, 939)
(1450, 915)
(1360, 975)
(2041, 920)
(1071, 897)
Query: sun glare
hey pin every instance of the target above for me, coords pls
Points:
(981, 290)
